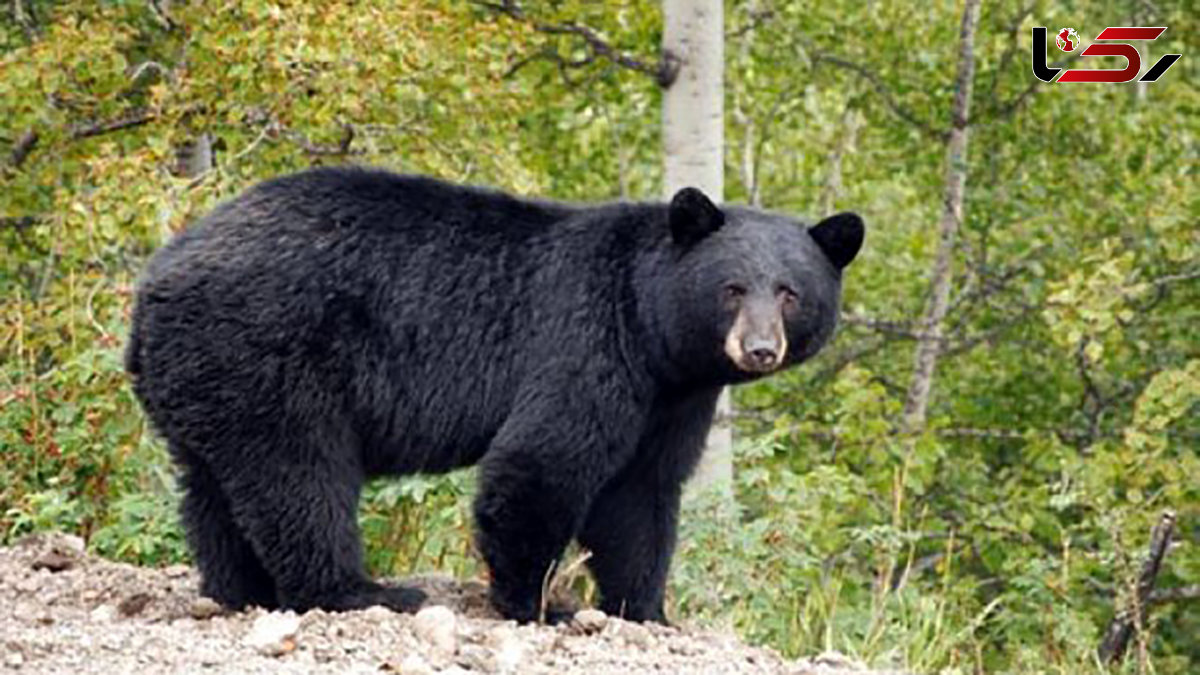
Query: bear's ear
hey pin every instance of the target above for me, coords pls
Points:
(693, 216)
(839, 237)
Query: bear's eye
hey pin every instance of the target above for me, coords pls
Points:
(734, 291)
(788, 296)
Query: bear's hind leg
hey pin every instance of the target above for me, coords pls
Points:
(301, 519)
(230, 572)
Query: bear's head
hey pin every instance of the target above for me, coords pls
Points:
(751, 292)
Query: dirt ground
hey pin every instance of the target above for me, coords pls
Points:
(62, 611)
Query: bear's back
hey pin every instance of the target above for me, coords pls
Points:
(341, 227)
(324, 200)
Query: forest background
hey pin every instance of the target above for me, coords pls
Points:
(1004, 532)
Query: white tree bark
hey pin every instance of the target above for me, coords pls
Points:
(929, 347)
(832, 190)
(693, 150)
(197, 156)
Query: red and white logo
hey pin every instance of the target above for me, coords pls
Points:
(1067, 39)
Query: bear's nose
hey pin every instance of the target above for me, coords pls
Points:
(763, 357)
(761, 353)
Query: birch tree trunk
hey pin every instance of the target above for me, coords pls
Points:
(832, 190)
(693, 152)
(929, 345)
(196, 157)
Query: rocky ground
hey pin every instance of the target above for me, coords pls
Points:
(62, 611)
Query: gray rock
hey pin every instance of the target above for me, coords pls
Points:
(378, 613)
(204, 608)
(274, 633)
(590, 621)
(637, 635)
(511, 651)
(477, 658)
(103, 614)
(437, 627)
(134, 604)
(55, 561)
(413, 664)
(69, 544)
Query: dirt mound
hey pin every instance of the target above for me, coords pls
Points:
(62, 611)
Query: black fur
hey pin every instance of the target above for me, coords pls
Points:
(339, 324)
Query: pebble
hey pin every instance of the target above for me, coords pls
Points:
(683, 648)
(511, 652)
(204, 608)
(438, 628)
(477, 658)
(590, 621)
(274, 633)
(413, 664)
(103, 614)
(638, 636)
(134, 604)
(55, 562)
(378, 613)
(176, 571)
(69, 544)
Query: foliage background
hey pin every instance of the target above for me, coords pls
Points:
(1063, 419)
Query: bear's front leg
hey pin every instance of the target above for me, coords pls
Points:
(630, 531)
(631, 525)
(536, 484)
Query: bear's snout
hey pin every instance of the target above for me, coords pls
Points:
(761, 354)
(756, 343)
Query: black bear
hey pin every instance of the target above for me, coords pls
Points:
(338, 324)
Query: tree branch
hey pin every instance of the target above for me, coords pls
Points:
(663, 71)
(340, 150)
(756, 17)
(1120, 631)
(1174, 594)
(1173, 278)
(22, 148)
(135, 118)
(1010, 106)
(19, 222)
(23, 19)
(161, 12)
(900, 328)
(889, 99)
(1092, 401)
(844, 358)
